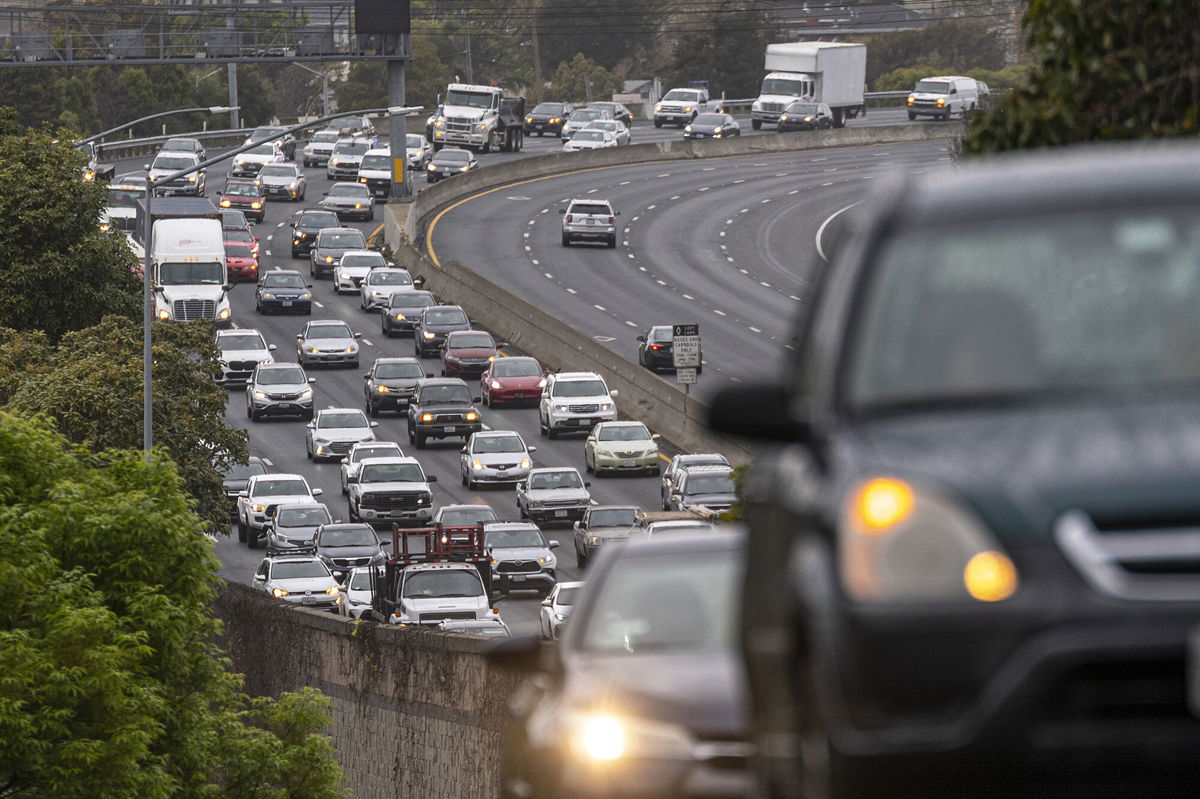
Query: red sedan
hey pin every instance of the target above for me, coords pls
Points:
(233, 235)
(241, 262)
(467, 352)
(512, 381)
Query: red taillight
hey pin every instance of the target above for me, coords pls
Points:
(570, 218)
(610, 220)
(654, 346)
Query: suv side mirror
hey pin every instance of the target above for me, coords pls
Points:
(316, 492)
(531, 450)
(553, 544)
(270, 348)
(476, 399)
(613, 393)
(431, 478)
(587, 484)
(641, 338)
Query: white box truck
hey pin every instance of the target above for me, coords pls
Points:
(188, 256)
(816, 72)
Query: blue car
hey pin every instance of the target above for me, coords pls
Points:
(283, 290)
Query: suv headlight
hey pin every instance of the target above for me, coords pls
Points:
(604, 736)
(901, 543)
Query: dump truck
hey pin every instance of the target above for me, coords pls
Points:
(480, 118)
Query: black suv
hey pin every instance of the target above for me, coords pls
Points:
(390, 383)
(442, 407)
(429, 334)
(975, 563)
(306, 225)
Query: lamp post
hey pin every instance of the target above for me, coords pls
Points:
(324, 76)
(212, 109)
(148, 236)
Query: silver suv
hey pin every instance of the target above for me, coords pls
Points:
(279, 389)
(575, 402)
(589, 220)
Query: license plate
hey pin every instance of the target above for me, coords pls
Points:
(287, 303)
(537, 127)
(589, 221)
(562, 514)
(285, 405)
(308, 600)
(519, 395)
(628, 463)
(517, 578)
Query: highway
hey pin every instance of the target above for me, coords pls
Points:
(282, 442)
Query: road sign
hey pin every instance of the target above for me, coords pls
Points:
(685, 376)
(685, 347)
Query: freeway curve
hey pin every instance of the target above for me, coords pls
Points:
(726, 242)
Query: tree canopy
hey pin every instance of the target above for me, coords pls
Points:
(112, 686)
(1102, 70)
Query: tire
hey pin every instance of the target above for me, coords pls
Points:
(462, 477)
(372, 411)
(580, 559)
(253, 414)
(471, 484)
(566, 240)
(295, 254)
(543, 429)
(351, 515)
(658, 123)
(300, 196)
(419, 440)
(251, 539)
(412, 439)
(308, 453)
(612, 241)
(371, 216)
(551, 433)
(242, 531)
(912, 117)
(756, 124)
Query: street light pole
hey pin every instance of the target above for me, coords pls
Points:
(324, 76)
(148, 236)
(212, 109)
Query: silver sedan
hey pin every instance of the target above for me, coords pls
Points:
(495, 456)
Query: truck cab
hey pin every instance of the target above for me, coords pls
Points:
(188, 258)
(434, 574)
(480, 118)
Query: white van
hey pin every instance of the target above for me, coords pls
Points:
(945, 96)
(189, 271)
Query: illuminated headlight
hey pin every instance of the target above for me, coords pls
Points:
(362, 180)
(399, 317)
(561, 408)
(439, 123)
(903, 543)
(328, 259)
(606, 406)
(911, 99)
(311, 350)
(603, 737)
(526, 463)
(239, 161)
(260, 395)
(717, 134)
(555, 120)
(941, 102)
(472, 416)
(358, 206)
(305, 393)
(529, 120)
(259, 508)
(225, 203)
(542, 383)
(293, 185)
(352, 348)
(546, 559)
(305, 296)
(428, 334)
(333, 590)
(496, 384)
(104, 227)
(345, 276)
(279, 593)
(223, 314)
(164, 315)
(783, 117)
(465, 168)
(382, 389)
(476, 465)
(191, 178)
(658, 106)
(687, 109)
(90, 174)
(427, 417)
(482, 126)
(256, 205)
(808, 119)
(268, 296)
(431, 168)
(688, 129)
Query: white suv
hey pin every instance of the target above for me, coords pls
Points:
(575, 402)
(590, 220)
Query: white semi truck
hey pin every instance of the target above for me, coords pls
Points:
(188, 256)
(815, 72)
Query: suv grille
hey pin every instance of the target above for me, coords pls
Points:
(187, 310)
(242, 366)
(1157, 563)
(284, 396)
(350, 562)
(442, 418)
(517, 566)
(395, 500)
(446, 616)
(592, 408)
(341, 447)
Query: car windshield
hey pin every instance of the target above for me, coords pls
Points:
(664, 603)
(461, 517)
(416, 299)
(508, 539)
(391, 473)
(933, 86)
(360, 581)
(590, 208)
(280, 488)
(124, 197)
(414, 141)
(364, 260)
(317, 221)
(1062, 303)
(549, 109)
(302, 517)
(181, 145)
(244, 471)
(709, 484)
(241, 341)
(605, 124)
(279, 280)
(623, 432)
(348, 190)
(278, 171)
(452, 157)
(362, 536)
(784, 86)
(286, 375)
(458, 394)
(380, 451)
(264, 132)
(242, 190)
(688, 461)
(237, 234)
(343, 241)
(351, 148)
(679, 95)
(552, 480)
(709, 119)
(585, 115)
(328, 331)
(566, 596)
(589, 135)
(262, 149)
(445, 316)
(472, 341)
(516, 367)
(299, 570)
(392, 277)
(338, 419)
(498, 444)
(614, 517)
(802, 109)
(191, 274)
(238, 249)
(376, 162)
(469, 99)
(326, 137)
(580, 388)
(448, 583)
(392, 371)
(164, 163)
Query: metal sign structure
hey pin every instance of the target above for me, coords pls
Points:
(685, 346)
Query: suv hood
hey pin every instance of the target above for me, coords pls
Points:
(315, 585)
(392, 486)
(1022, 468)
(520, 553)
(357, 551)
(284, 499)
(422, 605)
(245, 355)
(344, 434)
(928, 95)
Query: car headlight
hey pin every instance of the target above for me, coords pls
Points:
(482, 126)
(312, 350)
(259, 508)
(561, 408)
(279, 593)
(472, 416)
(362, 180)
(164, 315)
(496, 384)
(266, 295)
(542, 383)
(607, 737)
(431, 168)
(606, 406)
(783, 117)
(305, 296)
(716, 134)
(593, 540)
(428, 334)
(687, 129)
(306, 393)
(687, 109)
(427, 417)
(808, 119)
(529, 120)
(525, 463)
(345, 276)
(546, 559)
(439, 123)
(358, 206)
(476, 464)
(560, 617)
(260, 395)
(223, 314)
(191, 178)
(333, 590)
(352, 348)
(900, 543)
(225, 203)
(399, 317)
(911, 99)
(328, 259)
(377, 293)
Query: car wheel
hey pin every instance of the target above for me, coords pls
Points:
(371, 216)
(756, 124)
(309, 454)
(254, 415)
(371, 409)
(566, 240)
(419, 440)
(587, 465)
(351, 514)
(412, 439)
(251, 539)
(658, 123)
(612, 241)
(580, 559)
(911, 116)
(242, 530)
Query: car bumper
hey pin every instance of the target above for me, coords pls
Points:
(380, 515)
(303, 246)
(582, 423)
(449, 430)
(346, 212)
(344, 284)
(660, 778)
(370, 301)
(324, 602)
(517, 580)
(786, 126)
(542, 127)
(640, 463)
(379, 186)
(556, 514)
(589, 231)
(342, 172)
(243, 273)
(292, 306)
(190, 190)
(656, 361)
(328, 357)
(460, 369)
(302, 407)
(499, 476)
(233, 378)
(675, 119)
(281, 193)
(395, 326)
(508, 396)
(317, 158)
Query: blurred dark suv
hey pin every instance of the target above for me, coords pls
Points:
(976, 563)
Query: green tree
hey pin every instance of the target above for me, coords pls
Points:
(905, 78)
(949, 47)
(112, 687)
(725, 48)
(91, 385)
(583, 79)
(1102, 70)
(61, 272)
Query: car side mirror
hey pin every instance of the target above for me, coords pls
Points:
(308, 285)
(562, 210)
(352, 478)
(271, 348)
(476, 399)
(531, 450)
(546, 602)
(431, 478)
(316, 492)
(418, 281)
(616, 213)
(312, 379)
(299, 336)
(613, 393)
(244, 494)
(587, 484)
(553, 544)
(463, 450)
(501, 344)
(374, 424)
(311, 425)
(655, 436)
(324, 194)
(260, 577)
(358, 335)
(227, 287)
(576, 526)
(641, 338)
(367, 376)
(146, 167)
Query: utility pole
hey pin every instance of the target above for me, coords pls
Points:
(235, 120)
(539, 82)
(397, 45)
(467, 26)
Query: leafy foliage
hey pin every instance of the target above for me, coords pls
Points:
(727, 51)
(949, 47)
(112, 687)
(91, 386)
(61, 272)
(582, 79)
(905, 78)
(1102, 70)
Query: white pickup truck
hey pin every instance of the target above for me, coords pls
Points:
(681, 106)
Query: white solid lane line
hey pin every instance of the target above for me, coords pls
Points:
(825, 224)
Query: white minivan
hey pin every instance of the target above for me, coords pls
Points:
(189, 271)
(946, 96)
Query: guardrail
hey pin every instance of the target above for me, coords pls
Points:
(739, 102)
(149, 141)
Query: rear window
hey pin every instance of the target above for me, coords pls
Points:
(590, 208)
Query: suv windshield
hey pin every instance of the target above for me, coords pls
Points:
(580, 388)
(391, 473)
(680, 96)
(244, 471)
(549, 109)
(390, 371)
(476, 514)
(342, 419)
(344, 241)
(447, 316)
(375, 451)
(585, 115)
(392, 277)
(377, 162)
(444, 584)
(325, 137)
(285, 375)
(241, 341)
(932, 86)
(351, 148)
(172, 163)
(416, 299)
(302, 517)
(552, 480)
(508, 539)
(191, 274)
(458, 394)
(293, 570)
(348, 537)
(1090, 301)
(663, 603)
(802, 109)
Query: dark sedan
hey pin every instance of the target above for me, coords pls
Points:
(448, 162)
(712, 126)
(656, 349)
(330, 246)
(806, 116)
(435, 324)
(306, 225)
(237, 476)
(390, 383)
(343, 547)
(546, 118)
(645, 694)
(403, 310)
(246, 196)
(283, 291)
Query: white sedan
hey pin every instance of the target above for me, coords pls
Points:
(588, 139)
(616, 128)
(557, 606)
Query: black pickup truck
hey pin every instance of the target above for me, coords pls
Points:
(442, 407)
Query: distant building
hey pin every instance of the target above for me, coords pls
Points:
(822, 20)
